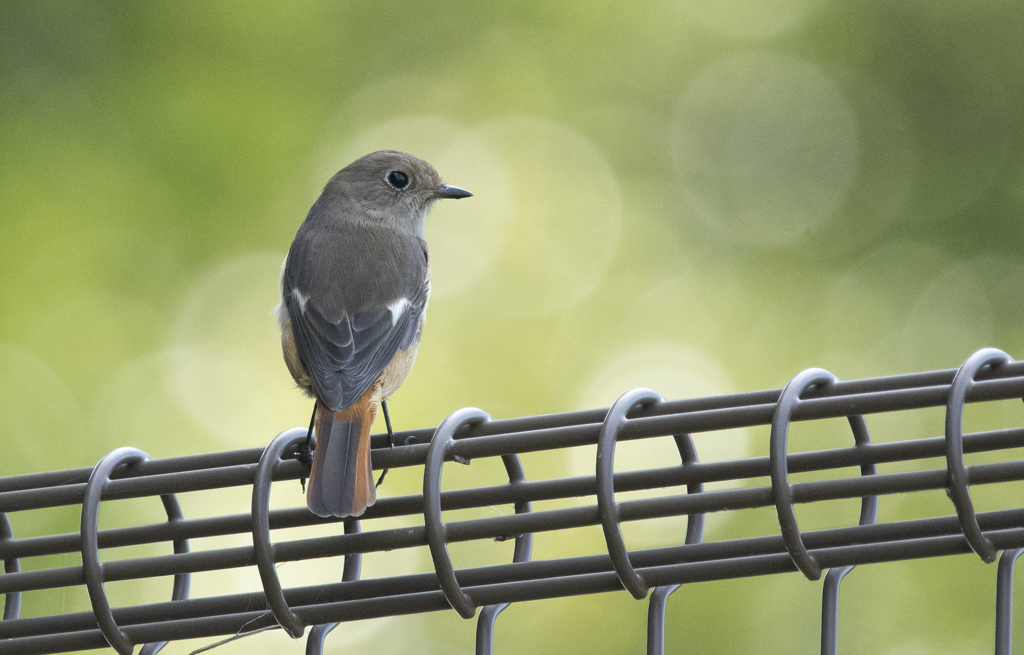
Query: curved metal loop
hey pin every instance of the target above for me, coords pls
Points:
(182, 581)
(522, 553)
(1004, 601)
(958, 489)
(782, 492)
(688, 455)
(262, 547)
(91, 566)
(353, 563)
(861, 437)
(694, 535)
(606, 506)
(12, 602)
(437, 537)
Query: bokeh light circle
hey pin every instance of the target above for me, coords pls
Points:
(766, 146)
(566, 222)
(751, 19)
(224, 367)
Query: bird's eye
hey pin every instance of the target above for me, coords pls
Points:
(398, 179)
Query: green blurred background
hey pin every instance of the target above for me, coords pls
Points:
(699, 197)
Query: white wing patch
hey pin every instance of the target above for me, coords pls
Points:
(280, 310)
(301, 298)
(397, 308)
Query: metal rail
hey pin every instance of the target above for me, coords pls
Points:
(470, 434)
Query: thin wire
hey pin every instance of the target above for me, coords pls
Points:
(234, 638)
(391, 437)
(303, 454)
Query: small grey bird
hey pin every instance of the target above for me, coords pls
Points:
(354, 290)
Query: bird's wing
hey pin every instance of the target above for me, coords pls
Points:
(349, 321)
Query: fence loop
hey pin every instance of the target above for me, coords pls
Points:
(12, 601)
(437, 538)
(263, 549)
(958, 489)
(782, 492)
(688, 455)
(92, 569)
(606, 506)
(523, 551)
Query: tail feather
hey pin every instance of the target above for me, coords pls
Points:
(341, 480)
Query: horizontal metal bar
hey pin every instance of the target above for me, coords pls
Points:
(527, 589)
(529, 491)
(510, 525)
(534, 433)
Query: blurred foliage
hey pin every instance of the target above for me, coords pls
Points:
(695, 196)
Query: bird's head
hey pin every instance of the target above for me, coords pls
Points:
(390, 187)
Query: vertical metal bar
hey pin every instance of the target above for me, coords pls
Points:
(1004, 601)
(835, 575)
(656, 619)
(830, 609)
(522, 553)
(353, 564)
(694, 535)
(485, 628)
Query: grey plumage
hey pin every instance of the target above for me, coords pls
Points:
(344, 333)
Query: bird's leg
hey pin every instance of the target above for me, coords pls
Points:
(391, 437)
(305, 453)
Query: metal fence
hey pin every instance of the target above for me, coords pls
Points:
(470, 434)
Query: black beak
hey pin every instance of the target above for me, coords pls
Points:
(449, 191)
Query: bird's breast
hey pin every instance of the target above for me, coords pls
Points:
(397, 370)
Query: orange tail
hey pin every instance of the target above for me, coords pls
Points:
(341, 481)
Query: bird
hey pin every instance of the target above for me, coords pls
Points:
(354, 291)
